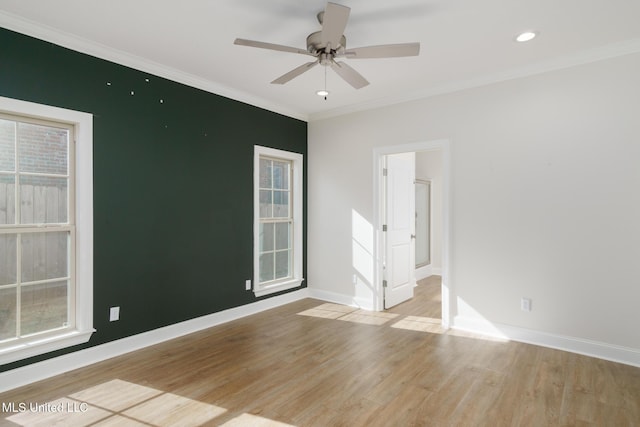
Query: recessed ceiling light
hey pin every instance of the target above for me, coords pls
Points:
(526, 36)
(322, 92)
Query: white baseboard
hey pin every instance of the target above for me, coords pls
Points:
(68, 362)
(428, 270)
(343, 299)
(614, 353)
(424, 272)
(65, 363)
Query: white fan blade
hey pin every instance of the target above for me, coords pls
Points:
(294, 73)
(384, 51)
(349, 75)
(271, 46)
(333, 24)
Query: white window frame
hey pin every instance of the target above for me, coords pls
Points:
(82, 257)
(296, 279)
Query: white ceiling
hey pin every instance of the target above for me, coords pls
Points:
(464, 43)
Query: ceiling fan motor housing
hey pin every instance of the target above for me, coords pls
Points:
(315, 45)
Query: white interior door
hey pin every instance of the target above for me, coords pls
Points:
(399, 260)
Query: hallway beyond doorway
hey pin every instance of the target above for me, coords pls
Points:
(426, 301)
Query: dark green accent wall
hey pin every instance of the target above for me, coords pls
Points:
(173, 184)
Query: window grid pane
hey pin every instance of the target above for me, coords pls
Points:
(280, 175)
(265, 173)
(266, 204)
(282, 264)
(8, 313)
(266, 237)
(266, 267)
(43, 307)
(8, 260)
(7, 199)
(283, 235)
(44, 256)
(43, 149)
(43, 200)
(281, 204)
(7, 145)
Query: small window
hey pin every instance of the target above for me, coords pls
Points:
(43, 296)
(277, 220)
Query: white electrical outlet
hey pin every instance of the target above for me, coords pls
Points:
(525, 304)
(114, 314)
(247, 284)
(354, 279)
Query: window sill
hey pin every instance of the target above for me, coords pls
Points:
(277, 287)
(44, 345)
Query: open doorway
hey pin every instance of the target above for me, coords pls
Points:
(431, 166)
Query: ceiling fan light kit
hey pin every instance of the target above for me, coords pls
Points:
(526, 36)
(330, 43)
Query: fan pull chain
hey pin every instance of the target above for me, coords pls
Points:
(325, 83)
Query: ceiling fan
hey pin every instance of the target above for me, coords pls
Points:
(329, 43)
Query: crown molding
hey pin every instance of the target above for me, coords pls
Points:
(15, 23)
(613, 50)
(43, 32)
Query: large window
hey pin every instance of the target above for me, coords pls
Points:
(277, 220)
(42, 293)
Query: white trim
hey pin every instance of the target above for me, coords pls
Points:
(297, 216)
(51, 367)
(349, 300)
(427, 271)
(82, 259)
(79, 44)
(626, 355)
(587, 56)
(282, 286)
(71, 41)
(378, 155)
(424, 272)
(45, 345)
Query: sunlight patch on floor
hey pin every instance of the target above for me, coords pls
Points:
(117, 403)
(170, 409)
(428, 325)
(328, 311)
(420, 324)
(245, 420)
(116, 395)
(60, 412)
(120, 421)
(349, 314)
(368, 317)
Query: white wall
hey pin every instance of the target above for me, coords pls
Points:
(544, 190)
(429, 166)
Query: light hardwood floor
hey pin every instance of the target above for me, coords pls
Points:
(315, 364)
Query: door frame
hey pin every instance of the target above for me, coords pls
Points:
(379, 154)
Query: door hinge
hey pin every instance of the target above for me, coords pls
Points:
(384, 283)
(384, 171)
(384, 227)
